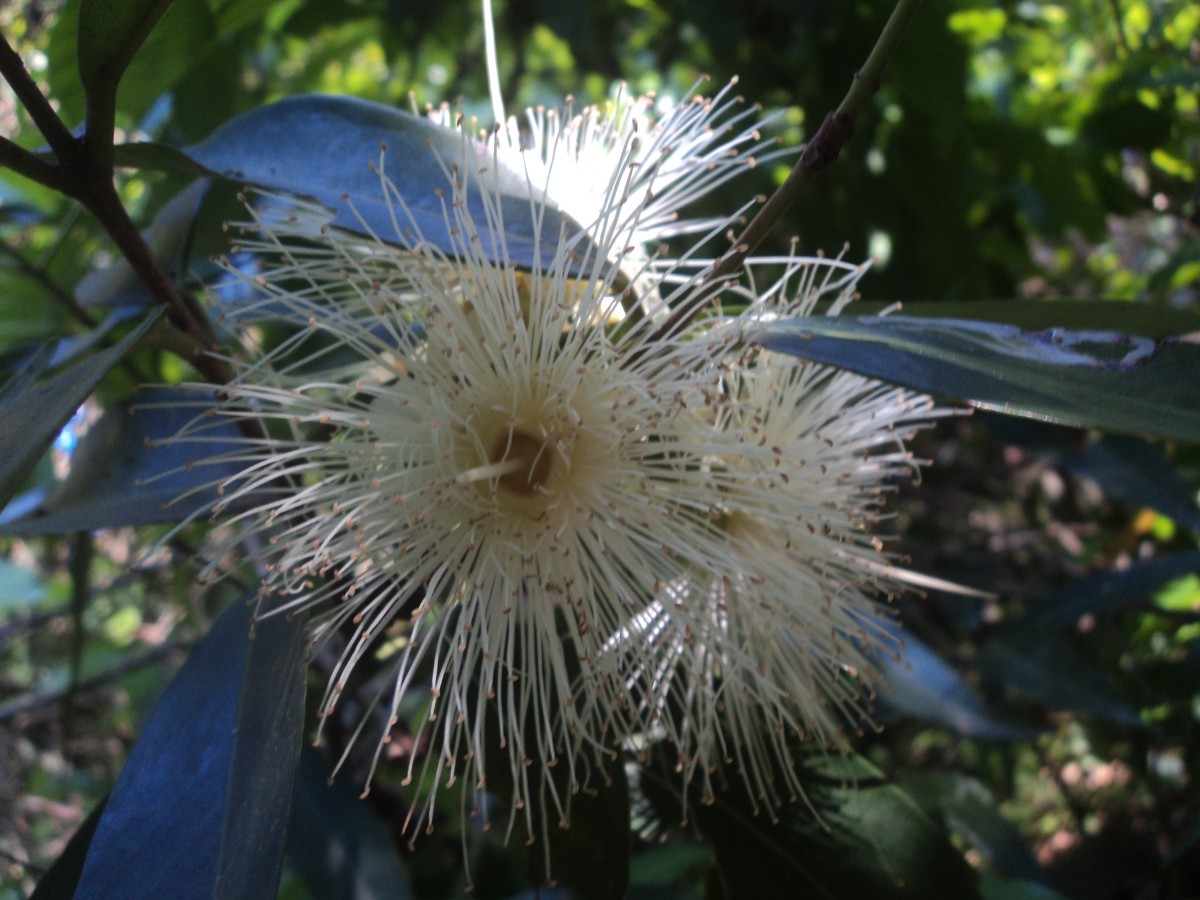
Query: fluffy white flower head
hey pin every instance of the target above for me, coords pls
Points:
(579, 154)
(578, 536)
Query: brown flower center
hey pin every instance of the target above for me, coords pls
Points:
(527, 458)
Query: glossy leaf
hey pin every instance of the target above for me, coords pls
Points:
(201, 807)
(110, 33)
(127, 471)
(1108, 591)
(1152, 320)
(1138, 473)
(923, 685)
(275, 147)
(1046, 668)
(336, 843)
(1084, 378)
(871, 840)
(32, 414)
(969, 810)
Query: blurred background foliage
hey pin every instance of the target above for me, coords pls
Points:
(1017, 150)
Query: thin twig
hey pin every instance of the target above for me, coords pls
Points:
(29, 165)
(82, 179)
(818, 153)
(61, 295)
(28, 704)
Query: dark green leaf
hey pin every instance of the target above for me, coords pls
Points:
(110, 33)
(322, 147)
(968, 809)
(1088, 379)
(853, 835)
(922, 684)
(1044, 667)
(336, 843)
(1107, 591)
(1140, 474)
(1152, 320)
(997, 888)
(128, 471)
(201, 807)
(31, 415)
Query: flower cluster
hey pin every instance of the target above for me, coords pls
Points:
(574, 534)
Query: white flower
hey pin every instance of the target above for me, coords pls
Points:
(574, 538)
(595, 159)
(774, 642)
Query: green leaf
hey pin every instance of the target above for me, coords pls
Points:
(110, 33)
(969, 810)
(128, 471)
(1107, 591)
(1152, 320)
(201, 807)
(923, 685)
(1046, 668)
(31, 415)
(1083, 378)
(336, 843)
(853, 835)
(322, 147)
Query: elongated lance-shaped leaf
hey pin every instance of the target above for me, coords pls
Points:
(110, 32)
(323, 147)
(1090, 379)
(127, 469)
(200, 809)
(33, 413)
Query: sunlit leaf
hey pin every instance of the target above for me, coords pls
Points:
(323, 147)
(201, 807)
(32, 414)
(923, 685)
(1089, 379)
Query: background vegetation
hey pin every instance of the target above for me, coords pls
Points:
(1018, 151)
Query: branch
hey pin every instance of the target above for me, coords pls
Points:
(84, 178)
(60, 139)
(32, 703)
(62, 296)
(30, 165)
(818, 153)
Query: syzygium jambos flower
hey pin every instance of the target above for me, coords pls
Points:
(775, 643)
(575, 538)
(623, 161)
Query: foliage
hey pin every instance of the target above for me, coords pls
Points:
(1031, 165)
